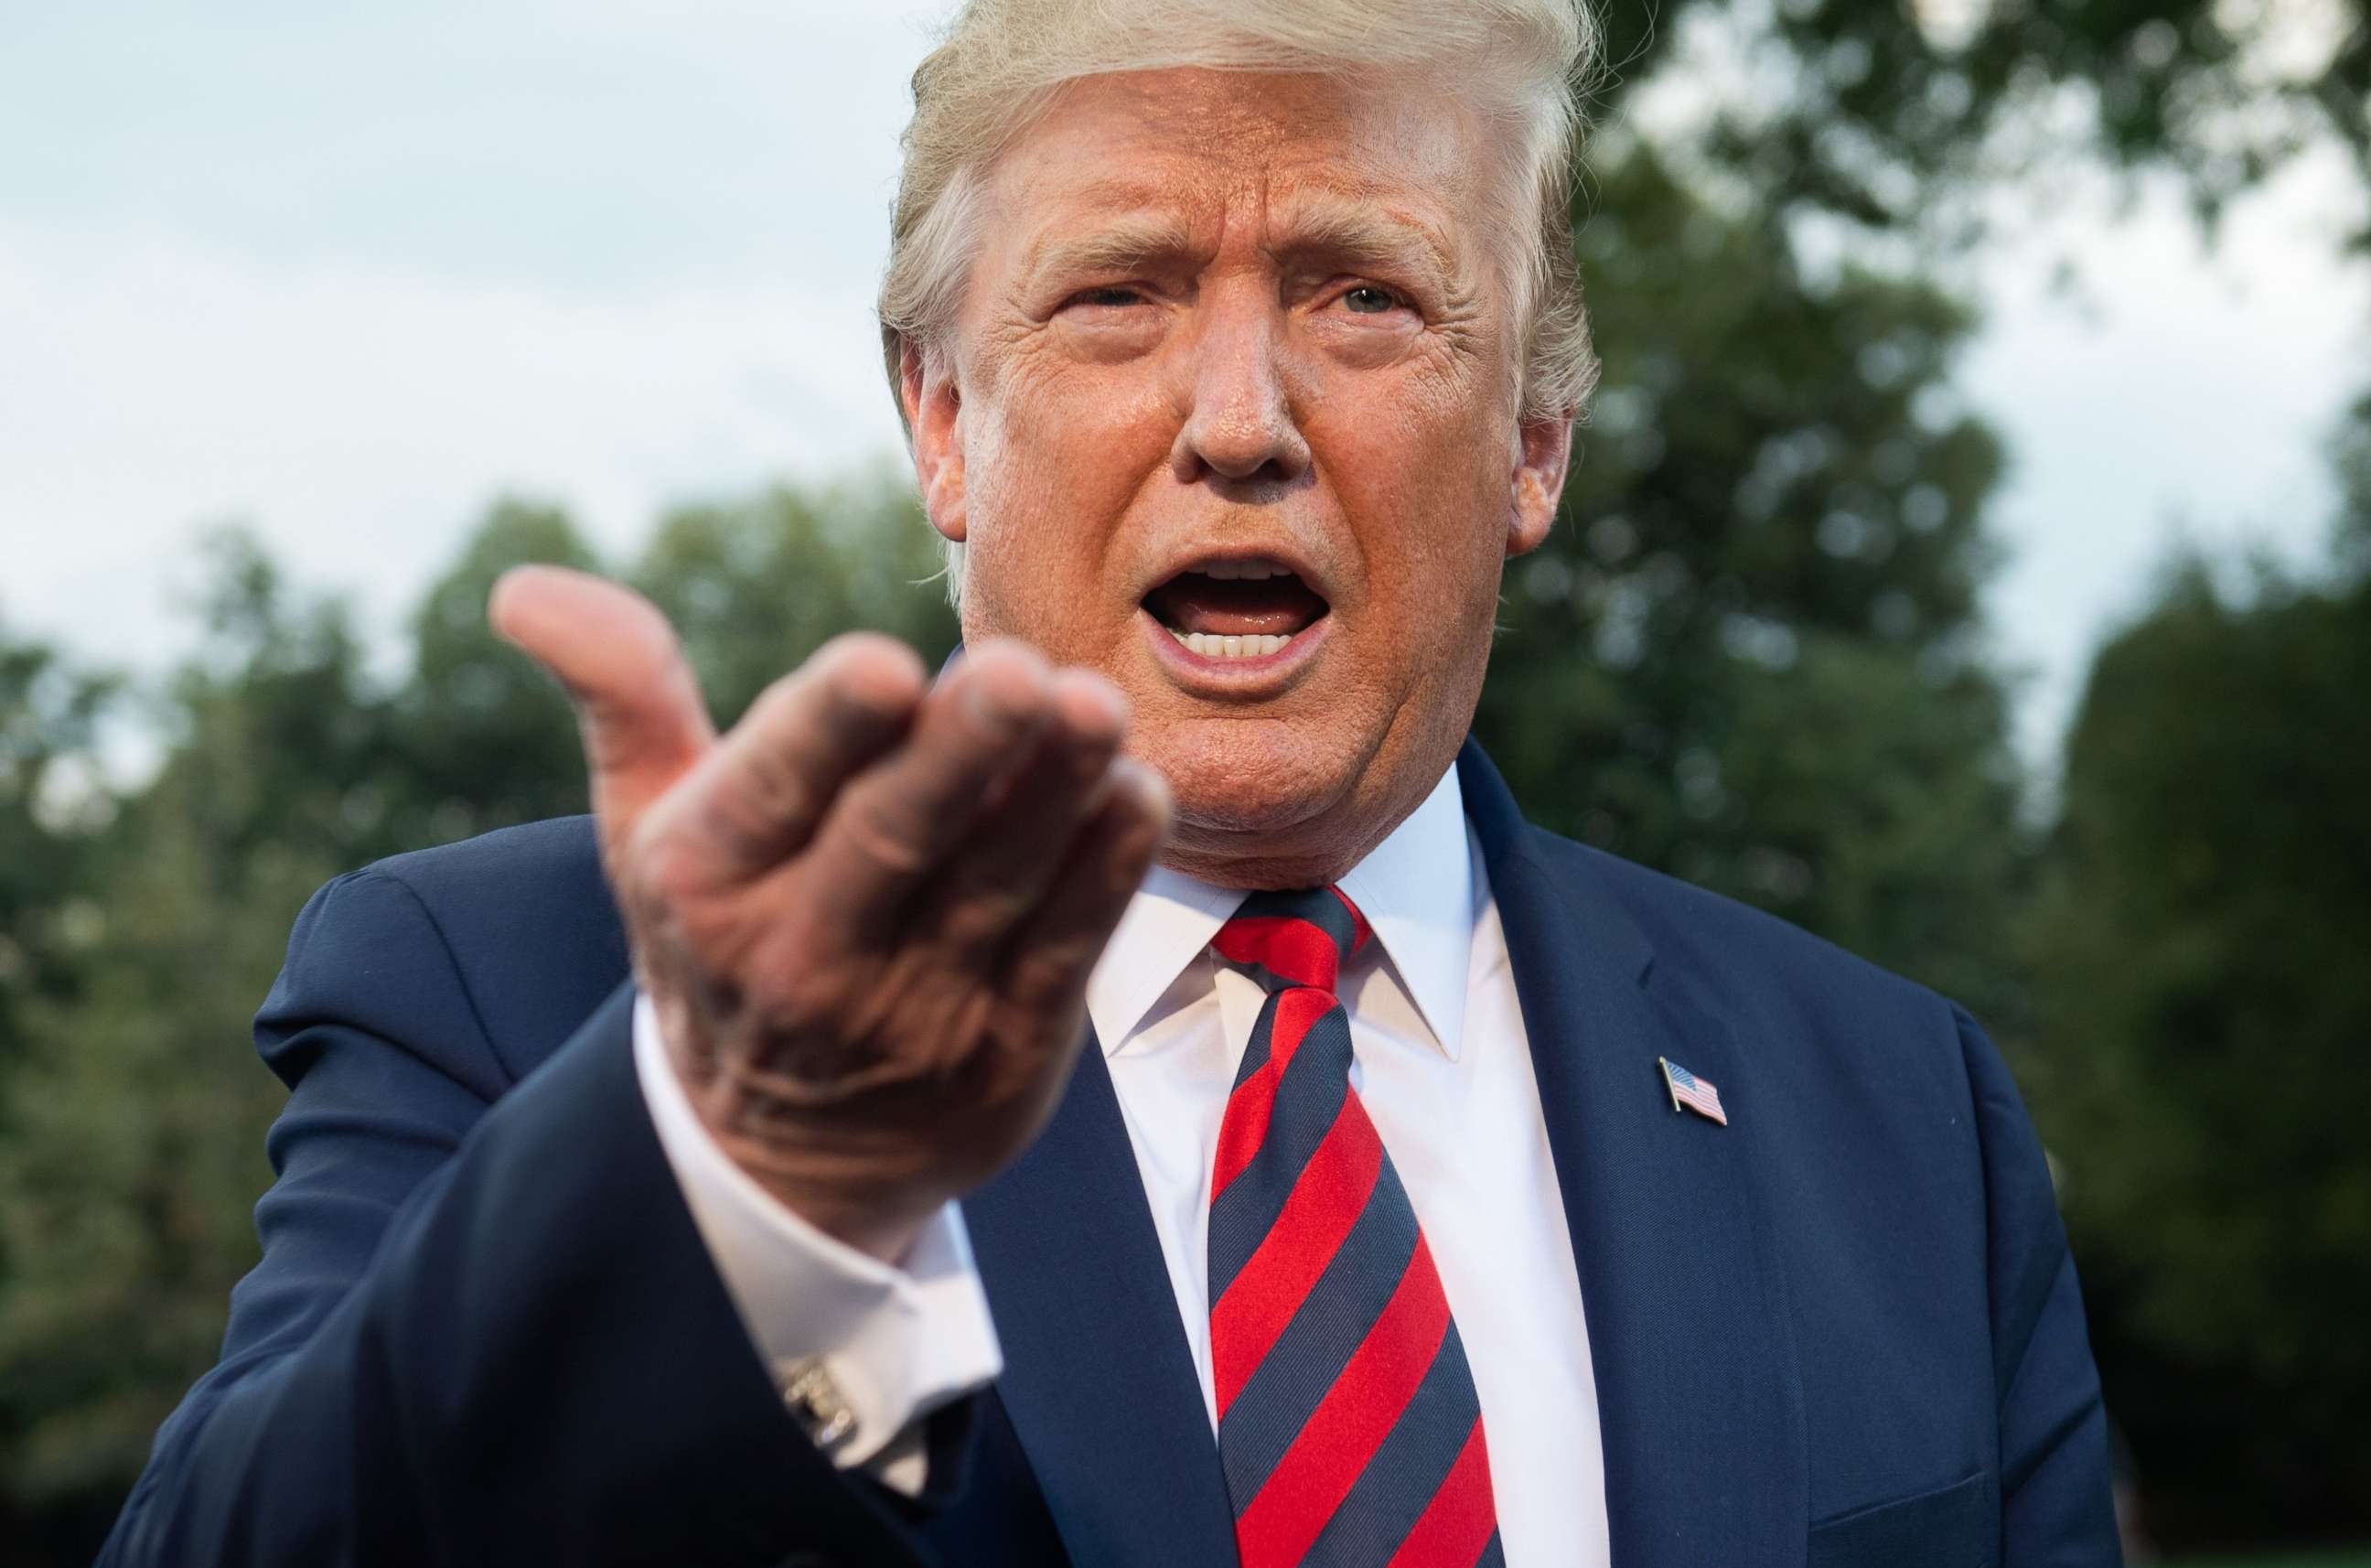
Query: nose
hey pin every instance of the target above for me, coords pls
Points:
(1239, 427)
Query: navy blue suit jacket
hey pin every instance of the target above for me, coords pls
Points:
(1842, 1331)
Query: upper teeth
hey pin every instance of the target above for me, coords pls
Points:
(1257, 569)
(1211, 644)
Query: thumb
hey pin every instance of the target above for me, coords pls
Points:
(638, 705)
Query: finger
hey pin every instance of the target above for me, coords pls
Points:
(769, 783)
(638, 705)
(1016, 848)
(897, 820)
(1047, 959)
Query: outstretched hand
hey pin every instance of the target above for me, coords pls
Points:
(866, 914)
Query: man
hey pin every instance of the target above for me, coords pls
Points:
(1145, 1097)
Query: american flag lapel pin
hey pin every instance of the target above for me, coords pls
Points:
(1697, 1094)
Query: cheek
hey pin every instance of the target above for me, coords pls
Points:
(1425, 481)
(1052, 465)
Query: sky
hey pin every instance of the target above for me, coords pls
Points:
(347, 273)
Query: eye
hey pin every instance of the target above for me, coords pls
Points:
(1109, 295)
(1367, 300)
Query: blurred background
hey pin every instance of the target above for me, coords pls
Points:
(1969, 558)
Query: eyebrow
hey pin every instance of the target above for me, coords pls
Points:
(1122, 245)
(1358, 233)
(1362, 233)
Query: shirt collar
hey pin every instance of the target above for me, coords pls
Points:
(1415, 889)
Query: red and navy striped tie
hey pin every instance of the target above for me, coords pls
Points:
(1348, 1426)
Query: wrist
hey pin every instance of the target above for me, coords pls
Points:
(831, 1171)
(849, 1208)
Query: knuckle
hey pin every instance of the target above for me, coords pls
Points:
(786, 976)
(877, 836)
(769, 793)
(665, 865)
(1048, 969)
(985, 913)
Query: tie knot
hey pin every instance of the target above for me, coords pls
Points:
(1300, 938)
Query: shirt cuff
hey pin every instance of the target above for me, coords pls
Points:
(862, 1349)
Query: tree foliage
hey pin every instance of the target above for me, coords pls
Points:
(1901, 117)
(2204, 1002)
(132, 1139)
(48, 717)
(1746, 652)
(2349, 457)
(755, 586)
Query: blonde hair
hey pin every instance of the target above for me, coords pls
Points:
(1524, 64)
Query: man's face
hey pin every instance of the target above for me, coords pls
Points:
(1229, 416)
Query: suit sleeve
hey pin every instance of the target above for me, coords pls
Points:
(895, 1343)
(2057, 1501)
(483, 1329)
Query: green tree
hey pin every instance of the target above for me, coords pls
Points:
(755, 586)
(2205, 1001)
(1747, 655)
(1903, 118)
(131, 1145)
(483, 737)
(52, 801)
(2350, 459)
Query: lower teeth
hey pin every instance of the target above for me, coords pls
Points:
(1210, 645)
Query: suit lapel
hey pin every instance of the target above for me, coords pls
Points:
(1698, 1397)
(1097, 1376)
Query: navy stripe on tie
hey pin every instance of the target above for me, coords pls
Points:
(1493, 1554)
(1326, 1331)
(1318, 906)
(1308, 1100)
(1400, 1481)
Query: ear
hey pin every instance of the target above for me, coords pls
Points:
(1543, 450)
(926, 386)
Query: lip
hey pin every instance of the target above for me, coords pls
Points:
(1279, 551)
(1240, 679)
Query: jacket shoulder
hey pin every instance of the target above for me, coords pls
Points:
(1710, 934)
(529, 922)
(1818, 1024)
(557, 855)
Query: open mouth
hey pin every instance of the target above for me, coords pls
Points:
(1243, 608)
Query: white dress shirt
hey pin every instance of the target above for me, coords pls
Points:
(890, 1344)
(1442, 1065)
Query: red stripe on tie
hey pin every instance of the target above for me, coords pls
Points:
(1296, 950)
(1244, 1126)
(1456, 1524)
(1324, 1203)
(1350, 1424)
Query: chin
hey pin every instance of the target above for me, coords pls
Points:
(1239, 775)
